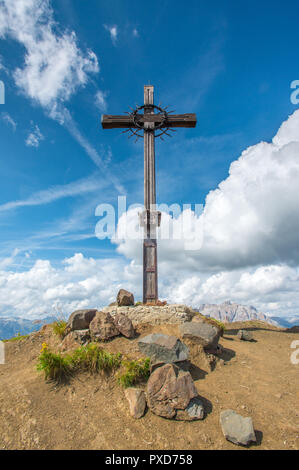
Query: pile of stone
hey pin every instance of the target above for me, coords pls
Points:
(93, 325)
(170, 391)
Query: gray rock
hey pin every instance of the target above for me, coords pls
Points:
(137, 402)
(183, 365)
(125, 298)
(163, 348)
(80, 319)
(194, 411)
(201, 333)
(245, 335)
(237, 429)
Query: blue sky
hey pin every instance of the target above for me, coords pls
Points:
(65, 63)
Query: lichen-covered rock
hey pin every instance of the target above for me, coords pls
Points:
(201, 333)
(80, 319)
(169, 389)
(237, 429)
(163, 348)
(154, 315)
(102, 327)
(125, 298)
(124, 325)
(137, 402)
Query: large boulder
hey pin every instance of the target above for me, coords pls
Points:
(137, 402)
(102, 327)
(201, 333)
(80, 319)
(237, 429)
(124, 325)
(169, 389)
(125, 298)
(163, 349)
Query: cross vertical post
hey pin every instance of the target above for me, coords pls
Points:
(150, 266)
(149, 122)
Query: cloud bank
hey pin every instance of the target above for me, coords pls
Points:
(249, 252)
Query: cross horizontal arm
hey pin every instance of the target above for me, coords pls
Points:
(174, 120)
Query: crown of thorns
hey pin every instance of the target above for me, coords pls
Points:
(160, 128)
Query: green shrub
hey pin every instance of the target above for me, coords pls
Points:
(138, 303)
(55, 366)
(135, 371)
(94, 359)
(59, 327)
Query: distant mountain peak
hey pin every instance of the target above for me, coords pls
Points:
(230, 312)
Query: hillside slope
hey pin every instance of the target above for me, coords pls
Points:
(90, 412)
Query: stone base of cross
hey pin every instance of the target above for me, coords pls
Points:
(149, 121)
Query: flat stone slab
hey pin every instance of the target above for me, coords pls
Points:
(154, 315)
(237, 429)
(163, 348)
(201, 333)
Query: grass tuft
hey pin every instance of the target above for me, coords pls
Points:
(59, 328)
(55, 366)
(219, 324)
(135, 371)
(93, 358)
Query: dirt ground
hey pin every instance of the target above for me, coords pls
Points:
(255, 379)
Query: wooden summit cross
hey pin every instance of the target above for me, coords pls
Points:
(148, 122)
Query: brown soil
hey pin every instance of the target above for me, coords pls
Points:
(255, 379)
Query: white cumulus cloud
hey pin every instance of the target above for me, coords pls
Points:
(54, 66)
(252, 218)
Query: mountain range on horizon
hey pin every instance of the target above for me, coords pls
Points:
(229, 312)
(226, 312)
(13, 326)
